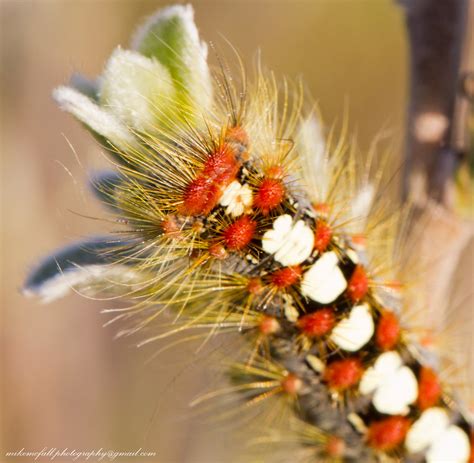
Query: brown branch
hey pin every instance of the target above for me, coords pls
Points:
(441, 49)
(434, 146)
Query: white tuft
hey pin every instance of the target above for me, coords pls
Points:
(426, 429)
(441, 441)
(315, 163)
(355, 331)
(324, 281)
(452, 446)
(360, 208)
(236, 198)
(290, 243)
(394, 385)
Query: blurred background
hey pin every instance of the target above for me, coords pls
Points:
(65, 381)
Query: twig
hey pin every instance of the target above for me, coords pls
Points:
(436, 126)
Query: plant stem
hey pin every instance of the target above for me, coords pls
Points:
(436, 126)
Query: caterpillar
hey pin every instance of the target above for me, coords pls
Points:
(237, 214)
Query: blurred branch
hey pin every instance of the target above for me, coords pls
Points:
(437, 114)
(441, 91)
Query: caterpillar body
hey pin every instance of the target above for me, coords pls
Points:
(237, 213)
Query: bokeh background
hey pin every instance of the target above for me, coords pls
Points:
(65, 381)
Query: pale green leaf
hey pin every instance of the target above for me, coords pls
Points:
(171, 37)
(138, 90)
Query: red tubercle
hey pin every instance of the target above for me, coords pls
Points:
(317, 323)
(388, 434)
(170, 227)
(343, 374)
(255, 286)
(218, 251)
(269, 195)
(237, 139)
(286, 276)
(429, 388)
(276, 172)
(291, 384)
(321, 208)
(388, 331)
(335, 447)
(237, 134)
(200, 197)
(239, 234)
(203, 193)
(322, 236)
(428, 339)
(269, 325)
(358, 284)
(221, 166)
(359, 239)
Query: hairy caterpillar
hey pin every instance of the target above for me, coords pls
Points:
(237, 214)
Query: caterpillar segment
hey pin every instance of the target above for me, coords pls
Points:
(248, 241)
(322, 316)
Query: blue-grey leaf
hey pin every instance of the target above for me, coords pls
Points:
(104, 184)
(88, 87)
(80, 265)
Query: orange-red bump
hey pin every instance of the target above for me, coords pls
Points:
(218, 251)
(170, 227)
(359, 239)
(286, 276)
(203, 193)
(322, 236)
(255, 285)
(239, 234)
(269, 195)
(321, 208)
(429, 388)
(335, 447)
(358, 284)
(343, 374)
(269, 325)
(238, 140)
(387, 434)
(200, 196)
(291, 384)
(275, 171)
(237, 134)
(317, 323)
(388, 331)
(221, 166)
